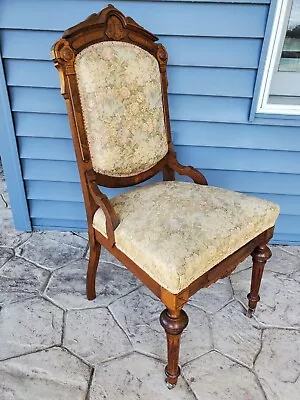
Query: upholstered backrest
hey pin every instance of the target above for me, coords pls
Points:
(121, 99)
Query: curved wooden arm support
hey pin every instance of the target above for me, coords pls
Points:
(189, 171)
(102, 201)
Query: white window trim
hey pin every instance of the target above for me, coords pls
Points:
(279, 26)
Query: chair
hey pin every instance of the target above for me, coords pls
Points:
(176, 237)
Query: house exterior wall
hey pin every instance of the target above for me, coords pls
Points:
(214, 53)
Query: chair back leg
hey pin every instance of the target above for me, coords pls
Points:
(260, 256)
(95, 249)
(173, 322)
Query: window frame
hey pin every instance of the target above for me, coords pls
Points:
(277, 35)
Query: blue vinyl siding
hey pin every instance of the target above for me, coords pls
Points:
(204, 156)
(214, 51)
(228, 82)
(10, 159)
(163, 18)
(182, 106)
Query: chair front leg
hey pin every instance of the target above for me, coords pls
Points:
(95, 249)
(260, 256)
(173, 322)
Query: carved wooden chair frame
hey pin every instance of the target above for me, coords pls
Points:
(111, 25)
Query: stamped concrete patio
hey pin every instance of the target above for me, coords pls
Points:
(56, 345)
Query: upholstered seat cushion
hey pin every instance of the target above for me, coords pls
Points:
(177, 231)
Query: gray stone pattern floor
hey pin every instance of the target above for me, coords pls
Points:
(54, 344)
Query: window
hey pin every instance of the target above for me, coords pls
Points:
(280, 91)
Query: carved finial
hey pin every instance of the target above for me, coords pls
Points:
(63, 56)
(62, 51)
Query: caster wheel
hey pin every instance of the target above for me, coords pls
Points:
(170, 385)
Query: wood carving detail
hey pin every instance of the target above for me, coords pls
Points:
(64, 57)
(115, 29)
(67, 53)
(162, 54)
(145, 43)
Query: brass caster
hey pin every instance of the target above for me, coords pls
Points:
(170, 385)
(250, 313)
(173, 379)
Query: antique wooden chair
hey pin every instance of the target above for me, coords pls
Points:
(176, 237)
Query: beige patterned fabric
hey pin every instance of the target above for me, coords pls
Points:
(177, 231)
(120, 93)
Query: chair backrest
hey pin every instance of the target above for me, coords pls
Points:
(113, 77)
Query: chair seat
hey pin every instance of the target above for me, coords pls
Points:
(177, 231)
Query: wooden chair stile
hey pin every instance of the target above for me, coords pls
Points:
(81, 57)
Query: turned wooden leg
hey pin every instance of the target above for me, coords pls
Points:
(95, 249)
(260, 256)
(173, 322)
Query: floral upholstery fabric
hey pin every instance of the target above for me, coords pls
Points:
(177, 231)
(120, 93)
